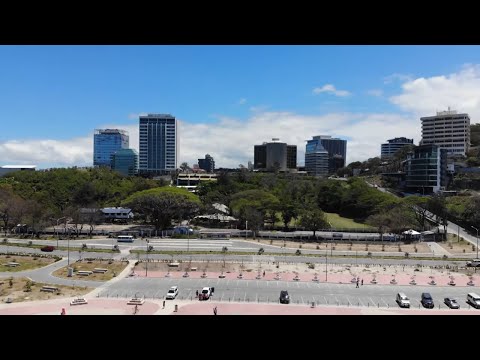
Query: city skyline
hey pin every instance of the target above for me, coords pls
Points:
(227, 98)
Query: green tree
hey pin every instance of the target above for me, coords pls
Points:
(314, 219)
(160, 206)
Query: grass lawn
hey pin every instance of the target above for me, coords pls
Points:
(114, 269)
(64, 248)
(339, 222)
(26, 262)
(19, 291)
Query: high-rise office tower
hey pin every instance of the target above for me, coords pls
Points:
(275, 156)
(316, 158)
(105, 143)
(158, 143)
(125, 161)
(393, 145)
(448, 130)
(427, 169)
(336, 148)
(207, 164)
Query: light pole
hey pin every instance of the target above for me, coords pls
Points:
(477, 240)
(246, 228)
(146, 264)
(326, 262)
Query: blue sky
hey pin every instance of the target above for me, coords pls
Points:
(55, 96)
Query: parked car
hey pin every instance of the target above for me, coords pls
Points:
(427, 301)
(473, 263)
(451, 303)
(284, 297)
(172, 293)
(48, 248)
(206, 293)
(402, 300)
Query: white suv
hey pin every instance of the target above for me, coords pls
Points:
(402, 300)
(172, 293)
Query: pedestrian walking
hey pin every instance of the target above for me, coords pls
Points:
(164, 304)
(196, 293)
(215, 310)
(357, 283)
(263, 273)
(362, 282)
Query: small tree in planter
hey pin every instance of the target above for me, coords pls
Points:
(298, 252)
(383, 247)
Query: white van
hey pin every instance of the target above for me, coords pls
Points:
(474, 300)
(402, 300)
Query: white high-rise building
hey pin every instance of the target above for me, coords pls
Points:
(448, 130)
(158, 143)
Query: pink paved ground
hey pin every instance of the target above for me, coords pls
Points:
(422, 278)
(283, 309)
(94, 307)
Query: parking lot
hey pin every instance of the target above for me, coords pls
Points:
(258, 291)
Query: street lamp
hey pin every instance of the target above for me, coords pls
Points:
(326, 262)
(477, 239)
(146, 264)
(246, 228)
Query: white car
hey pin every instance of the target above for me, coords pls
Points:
(206, 293)
(172, 293)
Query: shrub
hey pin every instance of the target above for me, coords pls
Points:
(318, 247)
(298, 252)
(261, 251)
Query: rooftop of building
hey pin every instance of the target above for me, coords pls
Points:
(110, 131)
(163, 116)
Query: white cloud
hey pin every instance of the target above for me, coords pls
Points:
(242, 101)
(230, 141)
(396, 77)
(460, 91)
(329, 88)
(135, 116)
(375, 92)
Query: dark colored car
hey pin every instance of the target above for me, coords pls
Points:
(451, 303)
(284, 297)
(427, 301)
(48, 248)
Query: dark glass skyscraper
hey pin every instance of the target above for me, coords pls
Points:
(427, 169)
(207, 164)
(125, 161)
(105, 143)
(158, 143)
(275, 156)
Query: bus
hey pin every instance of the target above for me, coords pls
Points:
(125, 238)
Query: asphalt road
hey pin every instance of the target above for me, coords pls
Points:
(382, 296)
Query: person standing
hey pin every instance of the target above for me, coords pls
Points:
(215, 310)
(357, 283)
(362, 282)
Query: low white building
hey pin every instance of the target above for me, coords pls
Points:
(117, 213)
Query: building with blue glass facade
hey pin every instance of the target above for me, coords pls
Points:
(105, 143)
(158, 144)
(125, 161)
(316, 158)
(336, 150)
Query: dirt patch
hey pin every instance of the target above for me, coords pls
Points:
(349, 246)
(454, 246)
(23, 289)
(25, 262)
(113, 269)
